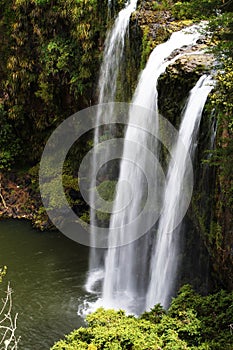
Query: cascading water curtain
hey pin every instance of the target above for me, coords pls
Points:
(125, 270)
(112, 60)
(165, 256)
(125, 285)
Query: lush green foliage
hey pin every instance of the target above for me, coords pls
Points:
(10, 145)
(196, 9)
(192, 322)
(222, 156)
(49, 67)
(193, 9)
(215, 313)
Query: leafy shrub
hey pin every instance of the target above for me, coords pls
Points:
(192, 322)
(195, 9)
(215, 313)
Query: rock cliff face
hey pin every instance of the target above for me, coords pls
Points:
(19, 199)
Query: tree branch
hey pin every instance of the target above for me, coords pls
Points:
(8, 324)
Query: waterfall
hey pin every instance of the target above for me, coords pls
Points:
(165, 256)
(112, 58)
(113, 52)
(126, 266)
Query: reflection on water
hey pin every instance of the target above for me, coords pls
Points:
(47, 273)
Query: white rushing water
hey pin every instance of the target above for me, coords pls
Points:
(166, 253)
(107, 85)
(126, 267)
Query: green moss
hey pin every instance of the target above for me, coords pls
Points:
(106, 191)
(215, 235)
(146, 46)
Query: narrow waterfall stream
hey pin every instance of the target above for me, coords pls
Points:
(126, 267)
(112, 59)
(165, 256)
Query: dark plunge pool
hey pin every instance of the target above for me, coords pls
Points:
(47, 273)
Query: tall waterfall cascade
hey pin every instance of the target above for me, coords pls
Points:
(124, 282)
(112, 59)
(137, 275)
(165, 256)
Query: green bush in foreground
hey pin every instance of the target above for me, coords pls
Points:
(192, 322)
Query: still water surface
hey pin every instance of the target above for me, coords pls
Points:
(47, 273)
